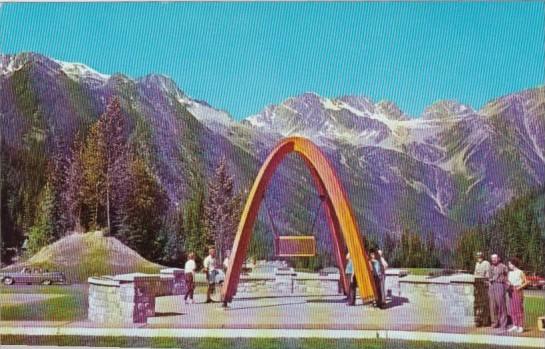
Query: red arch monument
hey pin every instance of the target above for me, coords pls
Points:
(339, 215)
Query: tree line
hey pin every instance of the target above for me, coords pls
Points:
(102, 183)
(516, 230)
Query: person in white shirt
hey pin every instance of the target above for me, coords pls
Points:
(189, 271)
(226, 260)
(516, 281)
(210, 270)
(482, 266)
(384, 265)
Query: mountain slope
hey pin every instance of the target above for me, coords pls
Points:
(448, 169)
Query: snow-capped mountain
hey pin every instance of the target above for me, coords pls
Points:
(450, 168)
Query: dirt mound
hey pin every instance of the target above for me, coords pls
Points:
(91, 254)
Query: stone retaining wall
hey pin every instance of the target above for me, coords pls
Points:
(462, 298)
(130, 298)
(282, 285)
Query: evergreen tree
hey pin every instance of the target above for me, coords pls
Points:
(74, 195)
(42, 232)
(106, 170)
(411, 251)
(117, 167)
(94, 179)
(221, 210)
(57, 178)
(514, 231)
(470, 242)
(196, 240)
(169, 244)
(145, 205)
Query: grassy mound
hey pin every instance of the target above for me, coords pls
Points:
(91, 254)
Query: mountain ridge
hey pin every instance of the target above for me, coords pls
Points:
(442, 173)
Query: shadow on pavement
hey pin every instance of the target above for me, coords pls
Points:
(396, 302)
(171, 313)
(265, 306)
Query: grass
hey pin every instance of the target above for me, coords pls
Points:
(91, 254)
(241, 343)
(422, 271)
(69, 304)
(534, 307)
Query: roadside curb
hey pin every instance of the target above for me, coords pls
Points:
(438, 337)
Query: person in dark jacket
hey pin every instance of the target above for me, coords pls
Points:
(378, 272)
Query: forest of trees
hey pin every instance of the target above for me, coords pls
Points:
(517, 230)
(101, 183)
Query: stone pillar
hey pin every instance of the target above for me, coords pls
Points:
(138, 298)
(126, 298)
(482, 305)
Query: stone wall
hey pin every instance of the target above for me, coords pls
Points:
(391, 282)
(284, 285)
(130, 298)
(460, 298)
(305, 284)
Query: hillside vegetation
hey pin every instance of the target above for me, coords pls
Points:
(82, 255)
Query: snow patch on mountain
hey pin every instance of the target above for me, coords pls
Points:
(205, 113)
(78, 71)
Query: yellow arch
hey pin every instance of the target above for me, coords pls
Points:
(339, 214)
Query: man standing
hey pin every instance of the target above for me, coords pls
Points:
(210, 270)
(383, 277)
(349, 271)
(226, 260)
(497, 291)
(482, 267)
(377, 269)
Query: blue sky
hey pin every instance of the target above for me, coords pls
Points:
(243, 56)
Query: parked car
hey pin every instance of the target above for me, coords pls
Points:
(32, 276)
(536, 281)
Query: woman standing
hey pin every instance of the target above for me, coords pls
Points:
(516, 282)
(189, 270)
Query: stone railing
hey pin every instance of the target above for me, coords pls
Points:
(460, 298)
(305, 284)
(301, 283)
(130, 298)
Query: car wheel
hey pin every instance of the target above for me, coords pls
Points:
(8, 281)
(46, 282)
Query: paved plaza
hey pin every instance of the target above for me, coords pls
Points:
(266, 316)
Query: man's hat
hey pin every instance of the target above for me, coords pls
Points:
(479, 254)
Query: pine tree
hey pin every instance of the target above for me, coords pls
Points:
(196, 240)
(116, 157)
(141, 221)
(74, 195)
(106, 170)
(57, 178)
(221, 210)
(42, 232)
(470, 242)
(94, 178)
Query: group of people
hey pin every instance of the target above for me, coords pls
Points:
(210, 268)
(378, 266)
(505, 290)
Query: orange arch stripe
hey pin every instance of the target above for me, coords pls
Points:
(339, 214)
